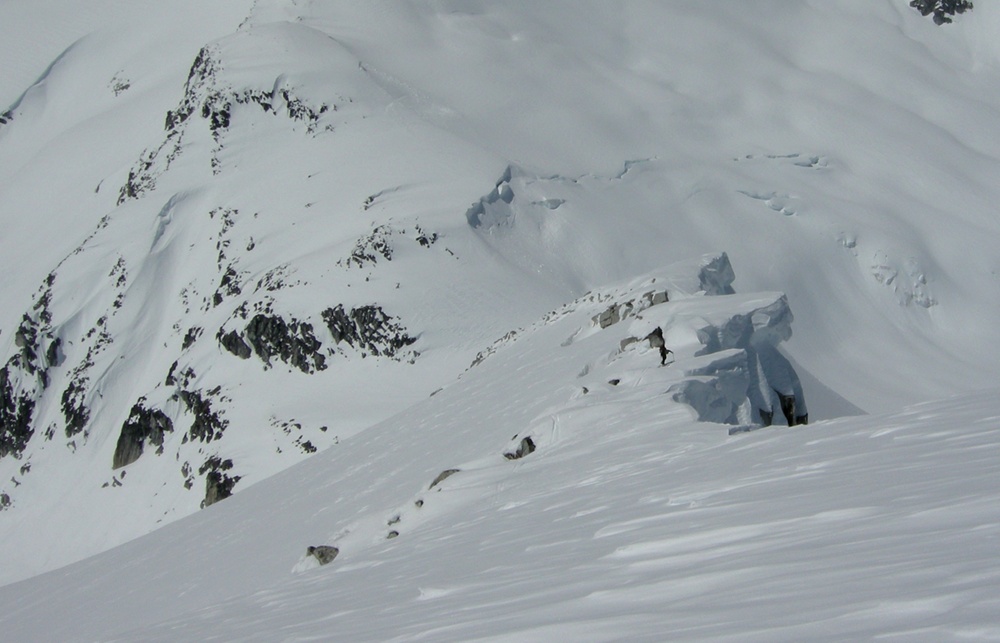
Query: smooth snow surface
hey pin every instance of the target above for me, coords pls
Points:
(812, 182)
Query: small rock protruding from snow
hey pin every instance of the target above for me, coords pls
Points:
(444, 475)
(525, 447)
(322, 553)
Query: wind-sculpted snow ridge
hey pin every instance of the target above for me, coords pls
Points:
(719, 358)
(723, 347)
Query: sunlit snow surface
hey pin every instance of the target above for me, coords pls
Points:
(840, 152)
(629, 522)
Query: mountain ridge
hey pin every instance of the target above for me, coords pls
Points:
(245, 235)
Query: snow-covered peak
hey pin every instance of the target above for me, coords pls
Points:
(244, 238)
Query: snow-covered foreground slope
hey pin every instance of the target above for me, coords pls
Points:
(241, 234)
(629, 521)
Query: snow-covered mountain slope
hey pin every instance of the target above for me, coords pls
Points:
(247, 233)
(626, 519)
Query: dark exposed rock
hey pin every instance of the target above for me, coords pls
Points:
(54, 355)
(15, 416)
(941, 9)
(766, 417)
(171, 379)
(368, 249)
(4, 501)
(191, 337)
(218, 484)
(207, 424)
(368, 329)
(216, 110)
(26, 338)
(526, 447)
(233, 343)
(44, 301)
(300, 111)
(143, 425)
(292, 342)
(788, 410)
(426, 240)
(392, 534)
(74, 410)
(229, 285)
(213, 101)
(444, 475)
(323, 553)
(139, 180)
(187, 475)
(202, 71)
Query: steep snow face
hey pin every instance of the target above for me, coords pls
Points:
(279, 223)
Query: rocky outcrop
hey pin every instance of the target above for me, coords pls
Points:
(16, 409)
(323, 553)
(444, 475)
(368, 329)
(368, 249)
(378, 245)
(142, 426)
(213, 101)
(218, 483)
(25, 377)
(207, 425)
(233, 342)
(620, 310)
(75, 411)
(525, 447)
(292, 342)
(270, 336)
